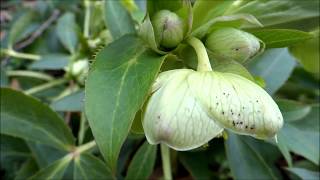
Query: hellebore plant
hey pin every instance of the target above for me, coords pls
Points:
(134, 76)
(179, 76)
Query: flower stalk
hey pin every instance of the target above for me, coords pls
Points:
(203, 59)
(166, 165)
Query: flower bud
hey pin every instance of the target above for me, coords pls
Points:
(79, 70)
(168, 28)
(231, 43)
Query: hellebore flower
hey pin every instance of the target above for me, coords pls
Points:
(189, 108)
(231, 43)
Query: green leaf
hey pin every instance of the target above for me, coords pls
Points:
(272, 13)
(146, 33)
(54, 170)
(72, 102)
(142, 163)
(117, 19)
(274, 66)
(86, 166)
(51, 62)
(246, 160)
(38, 121)
(237, 21)
(28, 168)
(11, 146)
(233, 67)
(304, 174)
(204, 11)
(293, 110)
(40, 153)
(307, 53)
(67, 31)
(276, 38)
(19, 27)
(197, 163)
(302, 136)
(116, 88)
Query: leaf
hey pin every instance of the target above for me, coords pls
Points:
(304, 174)
(245, 159)
(293, 110)
(40, 153)
(116, 88)
(146, 32)
(233, 67)
(197, 163)
(51, 62)
(272, 13)
(67, 31)
(72, 102)
(302, 136)
(19, 27)
(88, 167)
(307, 53)
(274, 66)
(11, 146)
(204, 11)
(237, 21)
(142, 163)
(38, 121)
(276, 38)
(28, 168)
(54, 170)
(117, 19)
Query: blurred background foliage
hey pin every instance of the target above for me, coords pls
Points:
(46, 49)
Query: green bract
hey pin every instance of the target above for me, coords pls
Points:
(231, 43)
(79, 70)
(189, 108)
(168, 28)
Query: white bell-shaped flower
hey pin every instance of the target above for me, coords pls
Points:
(189, 108)
(174, 116)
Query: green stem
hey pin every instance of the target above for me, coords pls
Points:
(166, 165)
(31, 74)
(45, 86)
(13, 53)
(82, 128)
(203, 59)
(86, 147)
(86, 18)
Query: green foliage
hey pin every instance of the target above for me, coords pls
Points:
(110, 122)
(57, 123)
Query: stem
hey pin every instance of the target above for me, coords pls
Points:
(82, 128)
(203, 59)
(86, 147)
(166, 166)
(45, 86)
(13, 53)
(30, 74)
(86, 18)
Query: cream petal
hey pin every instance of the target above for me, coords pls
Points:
(237, 103)
(173, 115)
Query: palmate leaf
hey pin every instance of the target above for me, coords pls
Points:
(116, 88)
(26, 117)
